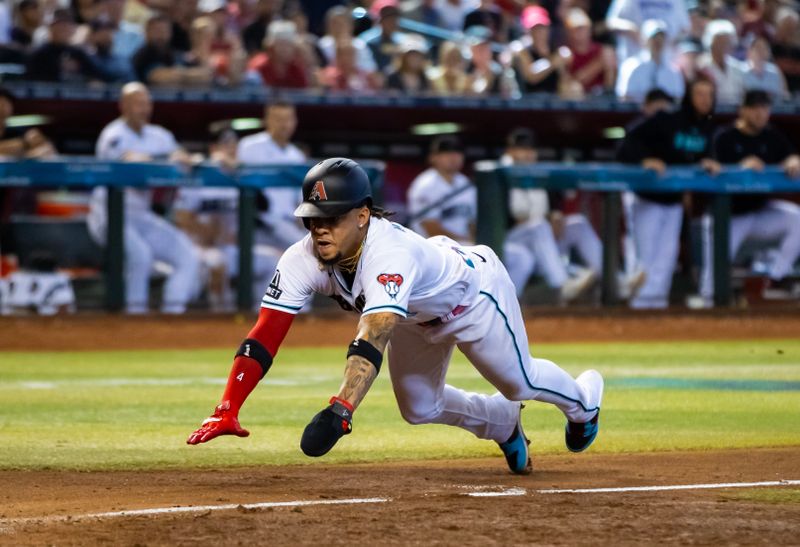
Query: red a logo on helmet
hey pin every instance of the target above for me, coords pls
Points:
(318, 192)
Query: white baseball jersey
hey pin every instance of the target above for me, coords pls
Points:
(117, 139)
(468, 290)
(427, 201)
(399, 272)
(261, 149)
(219, 205)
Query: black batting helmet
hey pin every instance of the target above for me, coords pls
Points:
(333, 187)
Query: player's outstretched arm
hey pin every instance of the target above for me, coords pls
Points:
(251, 363)
(364, 358)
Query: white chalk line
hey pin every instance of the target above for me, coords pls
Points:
(501, 493)
(670, 487)
(6, 523)
(524, 492)
(191, 509)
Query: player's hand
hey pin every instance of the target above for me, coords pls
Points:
(655, 164)
(327, 427)
(222, 422)
(792, 166)
(753, 163)
(712, 167)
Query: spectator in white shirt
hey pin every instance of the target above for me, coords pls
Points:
(338, 27)
(718, 64)
(762, 74)
(650, 69)
(625, 18)
(453, 12)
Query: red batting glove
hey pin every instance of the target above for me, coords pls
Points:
(222, 422)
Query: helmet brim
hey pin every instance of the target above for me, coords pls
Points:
(322, 209)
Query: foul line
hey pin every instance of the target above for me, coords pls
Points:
(193, 509)
(524, 492)
(352, 501)
(669, 487)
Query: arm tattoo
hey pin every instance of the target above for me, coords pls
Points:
(359, 373)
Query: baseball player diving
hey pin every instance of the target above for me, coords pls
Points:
(418, 299)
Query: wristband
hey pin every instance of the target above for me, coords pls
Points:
(364, 349)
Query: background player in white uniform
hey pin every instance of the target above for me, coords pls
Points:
(148, 237)
(753, 143)
(437, 213)
(421, 298)
(211, 217)
(273, 147)
(539, 228)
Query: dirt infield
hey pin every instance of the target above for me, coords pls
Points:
(402, 503)
(424, 503)
(103, 332)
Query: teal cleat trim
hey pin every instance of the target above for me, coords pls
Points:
(580, 436)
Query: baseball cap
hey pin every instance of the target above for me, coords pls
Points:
(277, 30)
(653, 27)
(210, 6)
(577, 18)
(689, 45)
(446, 143)
(521, 137)
(535, 15)
(478, 34)
(414, 42)
(756, 97)
(384, 8)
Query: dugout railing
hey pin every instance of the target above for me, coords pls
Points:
(611, 180)
(86, 173)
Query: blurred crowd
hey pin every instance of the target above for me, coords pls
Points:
(575, 48)
(189, 235)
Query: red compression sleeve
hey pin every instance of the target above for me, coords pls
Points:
(269, 330)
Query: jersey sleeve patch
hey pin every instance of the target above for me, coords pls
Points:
(391, 283)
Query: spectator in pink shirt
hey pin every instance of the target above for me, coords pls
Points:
(345, 75)
(281, 63)
(591, 64)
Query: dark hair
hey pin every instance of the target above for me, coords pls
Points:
(6, 93)
(756, 97)
(27, 4)
(658, 94)
(521, 137)
(446, 143)
(379, 212)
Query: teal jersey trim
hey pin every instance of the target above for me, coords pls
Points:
(521, 363)
(387, 306)
(265, 304)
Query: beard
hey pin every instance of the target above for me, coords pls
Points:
(330, 261)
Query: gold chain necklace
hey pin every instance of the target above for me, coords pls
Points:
(349, 265)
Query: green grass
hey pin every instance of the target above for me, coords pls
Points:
(133, 410)
(779, 496)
